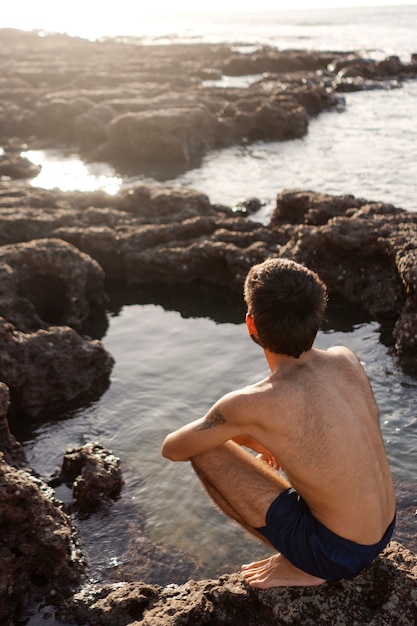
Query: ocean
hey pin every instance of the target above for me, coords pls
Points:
(171, 366)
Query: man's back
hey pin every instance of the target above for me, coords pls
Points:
(318, 417)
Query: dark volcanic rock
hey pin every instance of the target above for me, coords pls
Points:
(13, 451)
(179, 134)
(15, 166)
(382, 595)
(365, 251)
(46, 282)
(94, 474)
(49, 282)
(51, 367)
(37, 547)
(139, 105)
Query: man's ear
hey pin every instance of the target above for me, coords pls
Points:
(250, 324)
(253, 333)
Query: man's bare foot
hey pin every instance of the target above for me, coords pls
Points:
(277, 571)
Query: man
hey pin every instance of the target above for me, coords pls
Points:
(316, 416)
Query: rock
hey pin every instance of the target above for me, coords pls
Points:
(248, 207)
(94, 474)
(308, 207)
(383, 594)
(15, 166)
(138, 105)
(164, 202)
(91, 126)
(276, 120)
(55, 117)
(51, 367)
(111, 605)
(13, 451)
(170, 134)
(48, 281)
(405, 332)
(37, 547)
(365, 251)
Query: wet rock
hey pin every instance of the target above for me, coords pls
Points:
(276, 120)
(248, 207)
(162, 202)
(182, 134)
(365, 251)
(111, 605)
(308, 207)
(37, 548)
(51, 367)
(383, 594)
(15, 166)
(45, 287)
(13, 451)
(135, 105)
(48, 281)
(405, 332)
(94, 474)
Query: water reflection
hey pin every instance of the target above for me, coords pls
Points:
(66, 171)
(199, 299)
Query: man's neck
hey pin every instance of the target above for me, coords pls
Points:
(280, 361)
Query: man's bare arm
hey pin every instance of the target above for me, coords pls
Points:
(203, 434)
(213, 418)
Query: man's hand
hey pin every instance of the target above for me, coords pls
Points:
(270, 460)
(263, 453)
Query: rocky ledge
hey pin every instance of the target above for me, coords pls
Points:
(59, 252)
(143, 107)
(383, 594)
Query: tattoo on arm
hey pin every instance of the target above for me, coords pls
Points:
(214, 418)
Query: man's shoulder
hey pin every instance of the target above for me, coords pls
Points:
(342, 351)
(243, 402)
(341, 357)
(244, 394)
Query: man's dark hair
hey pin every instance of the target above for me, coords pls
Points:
(286, 301)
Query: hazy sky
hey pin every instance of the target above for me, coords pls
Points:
(85, 7)
(93, 18)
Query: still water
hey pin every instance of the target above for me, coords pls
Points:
(169, 370)
(369, 150)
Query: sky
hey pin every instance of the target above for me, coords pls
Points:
(85, 7)
(93, 18)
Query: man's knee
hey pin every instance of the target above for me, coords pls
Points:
(218, 461)
(210, 458)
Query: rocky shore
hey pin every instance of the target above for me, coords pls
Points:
(143, 108)
(151, 106)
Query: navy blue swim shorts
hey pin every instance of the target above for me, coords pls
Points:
(310, 546)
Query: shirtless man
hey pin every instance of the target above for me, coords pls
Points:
(316, 416)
